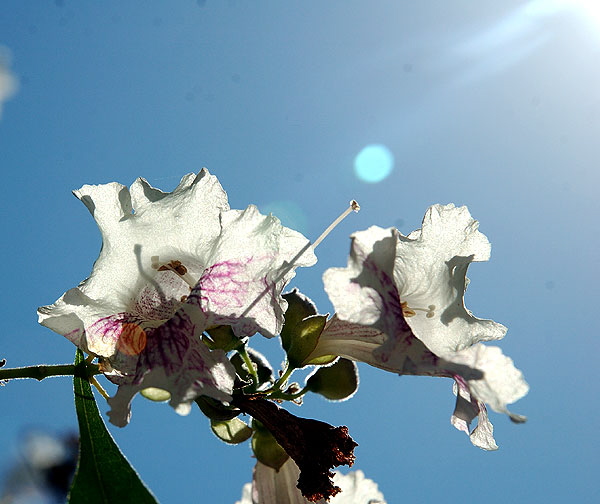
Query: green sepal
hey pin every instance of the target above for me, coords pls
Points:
(103, 474)
(323, 360)
(304, 339)
(265, 448)
(263, 366)
(156, 394)
(336, 382)
(222, 337)
(215, 410)
(299, 307)
(232, 431)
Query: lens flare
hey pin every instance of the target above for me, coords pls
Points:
(373, 163)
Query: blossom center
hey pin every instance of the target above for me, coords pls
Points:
(411, 311)
(177, 267)
(162, 294)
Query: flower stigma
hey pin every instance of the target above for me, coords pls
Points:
(353, 207)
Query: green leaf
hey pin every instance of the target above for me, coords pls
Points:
(337, 382)
(232, 431)
(265, 448)
(103, 475)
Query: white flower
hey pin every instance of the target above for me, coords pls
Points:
(399, 306)
(171, 266)
(275, 487)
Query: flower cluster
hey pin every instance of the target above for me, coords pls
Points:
(183, 281)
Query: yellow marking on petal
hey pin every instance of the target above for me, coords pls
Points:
(132, 339)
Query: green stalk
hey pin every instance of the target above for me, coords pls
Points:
(283, 379)
(288, 397)
(249, 364)
(43, 371)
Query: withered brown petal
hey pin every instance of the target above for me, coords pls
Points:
(315, 446)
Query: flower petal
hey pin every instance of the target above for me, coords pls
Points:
(466, 410)
(275, 487)
(137, 225)
(400, 307)
(502, 383)
(243, 285)
(174, 359)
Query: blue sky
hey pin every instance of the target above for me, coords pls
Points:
(494, 105)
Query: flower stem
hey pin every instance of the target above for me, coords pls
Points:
(249, 364)
(43, 371)
(288, 397)
(282, 379)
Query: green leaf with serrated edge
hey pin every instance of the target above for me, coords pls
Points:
(266, 449)
(232, 431)
(214, 410)
(336, 382)
(299, 307)
(103, 474)
(304, 338)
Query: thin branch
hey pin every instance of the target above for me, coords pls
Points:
(43, 371)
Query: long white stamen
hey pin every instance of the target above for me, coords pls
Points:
(287, 266)
(354, 207)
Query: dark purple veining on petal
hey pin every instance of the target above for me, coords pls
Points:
(176, 360)
(238, 293)
(224, 285)
(167, 346)
(161, 297)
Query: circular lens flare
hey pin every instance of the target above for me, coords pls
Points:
(373, 163)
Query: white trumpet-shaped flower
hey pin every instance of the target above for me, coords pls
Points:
(172, 265)
(275, 487)
(399, 306)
